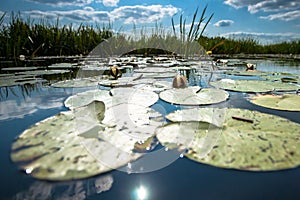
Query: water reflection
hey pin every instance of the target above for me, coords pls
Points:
(14, 107)
(78, 190)
(141, 193)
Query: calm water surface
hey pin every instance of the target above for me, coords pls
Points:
(183, 179)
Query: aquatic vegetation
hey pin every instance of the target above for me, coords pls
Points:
(253, 85)
(289, 102)
(13, 80)
(85, 141)
(247, 140)
(76, 83)
(115, 96)
(194, 95)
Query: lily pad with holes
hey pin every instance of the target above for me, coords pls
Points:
(84, 142)
(289, 102)
(155, 70)
(75, 83)
(247, 140)
(194, 96)
(253, 85)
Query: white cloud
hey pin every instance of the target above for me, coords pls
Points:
(108, 3)
(264, 38)
(87, 14)
(255, 6)
(128, 14)
(143, 14)
(287, 16)
(62, 3)
(223, 23)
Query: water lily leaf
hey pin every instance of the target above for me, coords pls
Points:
(44, 72)
(247, 73)
(126, 81)
(253, 85)
(194, 96)
(248, 140)
(115, 96)
(158, 75)
(155, 70)
(83, 142)
(75, 83)
(290, 102)
(156, 86)
(84, 98)
(12, 80)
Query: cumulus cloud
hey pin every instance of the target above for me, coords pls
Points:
(287, 16)
(108, 3)
(265, 38)
(265, 5)
(61, 3)
(143, 14)
(85, 15)
(128, 14)
(223, 23)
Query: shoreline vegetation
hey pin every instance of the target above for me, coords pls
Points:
(35, 40)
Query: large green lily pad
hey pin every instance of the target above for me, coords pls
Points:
(248, 140)
(13, 80)
(113, 97)
(75, 83)
(83, 142)
(194, 96)
(253, 85)
(289, 102)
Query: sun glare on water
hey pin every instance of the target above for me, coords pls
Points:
(141, 193)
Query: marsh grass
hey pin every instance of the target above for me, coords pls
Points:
(43, 38)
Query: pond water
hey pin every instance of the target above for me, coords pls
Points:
(182, 179)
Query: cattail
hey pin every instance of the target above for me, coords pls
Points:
(115, 72)
(179, 81)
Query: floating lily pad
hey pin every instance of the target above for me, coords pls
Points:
(158, 75)
(113, 97)
(126, 81)
(156, 86)
(248, 140)
(44, 72)
(84, 142)
(12, 80)
(194, 96)
(253, 85)
(247, 73)
(290, 102)
(155, 70)
(75, 83)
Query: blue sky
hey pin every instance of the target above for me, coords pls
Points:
(268, 20)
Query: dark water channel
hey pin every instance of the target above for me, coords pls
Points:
(182, 179)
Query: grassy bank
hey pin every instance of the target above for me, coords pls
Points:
(42, 38)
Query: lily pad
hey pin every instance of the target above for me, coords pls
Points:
(44, 72)
(115, 96)
(126, 81)
(253, 85)
(247, 140)
(75, 83)
(83, 142)
(289, 102)
(194, 96)
(155, 70)
(158, 75)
